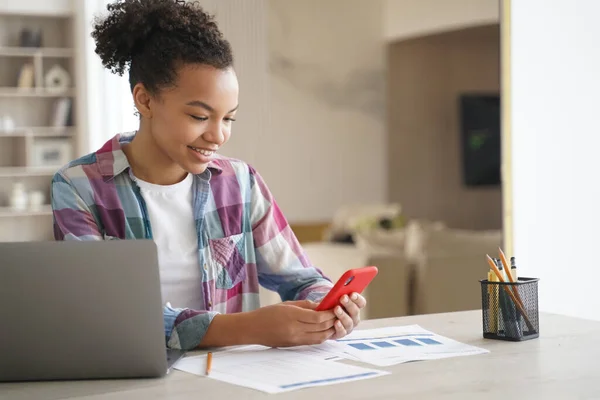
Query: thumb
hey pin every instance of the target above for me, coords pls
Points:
(310, 305)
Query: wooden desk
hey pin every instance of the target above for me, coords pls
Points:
(558, 365)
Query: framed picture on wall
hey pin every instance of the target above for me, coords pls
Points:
(51, 152)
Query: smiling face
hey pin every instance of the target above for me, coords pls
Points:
(192, 119)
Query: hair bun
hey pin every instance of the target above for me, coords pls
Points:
(130, 24)
(149, 37)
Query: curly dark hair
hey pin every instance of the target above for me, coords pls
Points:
(153, 37)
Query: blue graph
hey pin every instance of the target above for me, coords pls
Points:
(382, 344)
(408, 342)
(429, 341)
(362, 346)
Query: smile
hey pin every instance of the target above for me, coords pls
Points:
(204, 152)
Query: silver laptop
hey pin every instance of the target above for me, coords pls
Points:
(81, 310)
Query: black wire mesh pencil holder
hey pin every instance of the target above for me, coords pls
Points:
(510, 310)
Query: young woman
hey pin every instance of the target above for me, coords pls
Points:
(218, 230)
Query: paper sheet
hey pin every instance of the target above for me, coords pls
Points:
(328, 351)
(274, 370)
(395, 345)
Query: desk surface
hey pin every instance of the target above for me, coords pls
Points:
(558, 365)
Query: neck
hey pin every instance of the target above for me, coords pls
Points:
(149, 162)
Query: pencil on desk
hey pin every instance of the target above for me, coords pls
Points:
(513, 269)
(508, 310)
(208, 362)
(509, 274)
(506, 266)
(511, 294)
(493, 303)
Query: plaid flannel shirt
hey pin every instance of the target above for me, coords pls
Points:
(243, 238)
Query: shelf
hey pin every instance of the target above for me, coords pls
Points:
(52, 52)
(38, 131)
(9, 212)
(34, 92)
(9, 172)
(37, 8)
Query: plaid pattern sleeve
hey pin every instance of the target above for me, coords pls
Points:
(282, 264)
(185, 328)
(73, 218)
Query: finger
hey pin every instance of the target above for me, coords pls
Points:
(340, 330)
(320, 326)
(306, 304)
(345, 319)
(320, 337)
(351, 308)
(359, 300)
(314, 317)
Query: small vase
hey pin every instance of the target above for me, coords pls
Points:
(36, 200)
(8, 124)
(18, 197)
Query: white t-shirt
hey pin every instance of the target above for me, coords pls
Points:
(174, 230)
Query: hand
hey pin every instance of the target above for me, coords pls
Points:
(348, 314)
(291, 323)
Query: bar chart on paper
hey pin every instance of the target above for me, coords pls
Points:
(394, 342)
(395, 345)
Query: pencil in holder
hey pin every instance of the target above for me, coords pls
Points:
(510, 309)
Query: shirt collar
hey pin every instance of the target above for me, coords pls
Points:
(112, 160)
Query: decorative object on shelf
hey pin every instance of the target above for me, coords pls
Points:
(57, 79)
(36, 200)
(18, 197)
(7, 124)
(30, 38)
(61, 113)
(51, 152)
(26, 76)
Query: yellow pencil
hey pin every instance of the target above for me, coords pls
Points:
(506, 266)
(509, 275)
(208, 363)
(493, 303)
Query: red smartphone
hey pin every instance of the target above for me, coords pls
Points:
(353, 280)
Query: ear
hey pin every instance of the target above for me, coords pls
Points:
(143, 100)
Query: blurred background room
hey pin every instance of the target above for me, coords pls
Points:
(376, 124)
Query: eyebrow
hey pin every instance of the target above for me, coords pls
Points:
(198, 103)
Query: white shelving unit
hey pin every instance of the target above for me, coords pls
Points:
(7, 212)
(39, 127)
(36, 52)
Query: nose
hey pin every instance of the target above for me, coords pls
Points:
(214, 133)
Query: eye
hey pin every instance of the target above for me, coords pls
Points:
(229, 119)
(198, 118)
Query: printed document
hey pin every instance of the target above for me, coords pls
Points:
(274, 370)
(395, 345)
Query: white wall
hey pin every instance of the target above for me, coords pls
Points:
(555, 61)
(409, 18)
(326, 144)
(39, 7)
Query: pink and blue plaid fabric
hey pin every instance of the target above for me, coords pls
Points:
(244, 239)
